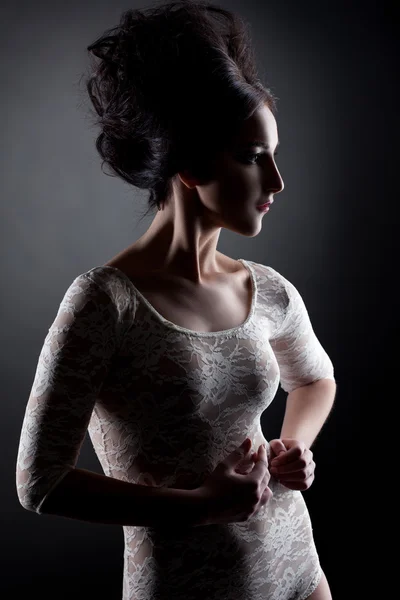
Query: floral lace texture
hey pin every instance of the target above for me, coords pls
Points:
(163, 405)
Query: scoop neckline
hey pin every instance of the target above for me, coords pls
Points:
(192, 332)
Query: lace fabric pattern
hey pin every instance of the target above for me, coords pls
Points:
(163, 405)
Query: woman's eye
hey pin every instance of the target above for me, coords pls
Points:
(252, 157)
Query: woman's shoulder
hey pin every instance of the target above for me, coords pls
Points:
(105, 280)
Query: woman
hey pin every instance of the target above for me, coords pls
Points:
(169, 353)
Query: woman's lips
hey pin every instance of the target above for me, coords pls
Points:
(264, 207)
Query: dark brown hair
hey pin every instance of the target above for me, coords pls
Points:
(173, 84)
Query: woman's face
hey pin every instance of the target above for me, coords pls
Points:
(245, 176)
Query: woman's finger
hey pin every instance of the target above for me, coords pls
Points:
(298, 485)
(299, 465)
(297, 476)
(290, 457)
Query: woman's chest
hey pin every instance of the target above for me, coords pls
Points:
(215, 307)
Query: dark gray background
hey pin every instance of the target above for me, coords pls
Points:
(330, 232)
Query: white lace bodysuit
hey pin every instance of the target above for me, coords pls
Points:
(163, 405)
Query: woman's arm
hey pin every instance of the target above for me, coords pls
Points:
(97, 498)
(307, 409)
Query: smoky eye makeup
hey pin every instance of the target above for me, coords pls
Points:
(247, 152)
(252, 158)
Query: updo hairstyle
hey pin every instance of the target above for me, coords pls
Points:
(173, 84)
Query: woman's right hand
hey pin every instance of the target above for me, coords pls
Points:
(231, 497)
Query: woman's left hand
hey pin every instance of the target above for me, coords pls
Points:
(292, 463)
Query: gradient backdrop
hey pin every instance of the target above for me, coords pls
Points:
(330, 232)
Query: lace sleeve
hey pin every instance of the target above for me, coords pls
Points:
(300, 355)
(72, 365)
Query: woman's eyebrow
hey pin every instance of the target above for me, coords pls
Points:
(254, 143)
